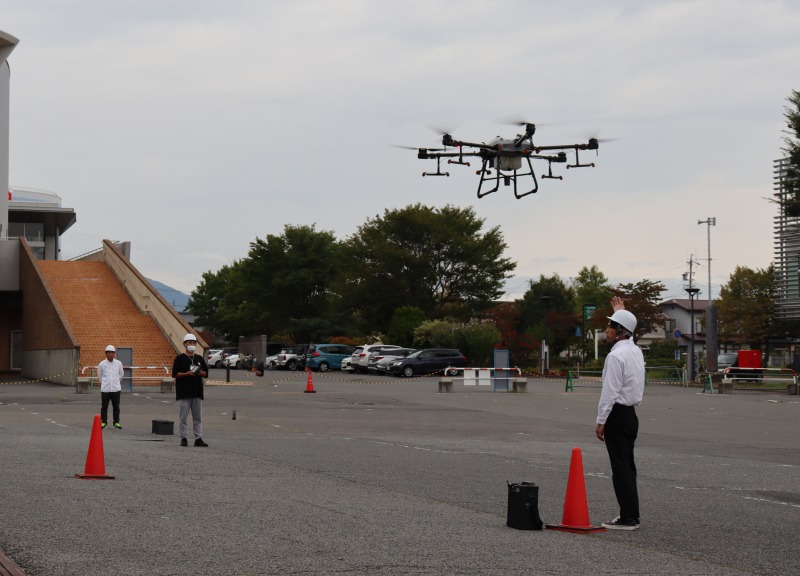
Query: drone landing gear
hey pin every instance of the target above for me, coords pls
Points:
(578, 162)
(550, 173)
(438, 170)
(508, 179)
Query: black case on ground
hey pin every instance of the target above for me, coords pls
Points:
(523, 506)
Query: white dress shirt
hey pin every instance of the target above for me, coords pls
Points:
(110, 375)
(623, 378)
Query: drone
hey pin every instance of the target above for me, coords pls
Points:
(501, 159)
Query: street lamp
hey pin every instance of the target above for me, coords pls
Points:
(692, 293)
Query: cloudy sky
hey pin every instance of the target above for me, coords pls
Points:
(191, 127)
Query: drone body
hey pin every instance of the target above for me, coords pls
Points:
(502, 159)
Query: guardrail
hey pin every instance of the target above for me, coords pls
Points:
(765, 377)
(483, 376)
(593, 378)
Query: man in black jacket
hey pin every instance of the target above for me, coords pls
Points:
(189, 369)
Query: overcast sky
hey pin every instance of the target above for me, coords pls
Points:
(192, 127)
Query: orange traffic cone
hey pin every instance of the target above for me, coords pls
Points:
(310, 384)
(576, 507)
(95, 468)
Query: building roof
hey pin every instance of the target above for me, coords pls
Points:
(700, 304)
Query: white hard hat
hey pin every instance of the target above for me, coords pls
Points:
(110, 348)
(189, 337)
(624, 319)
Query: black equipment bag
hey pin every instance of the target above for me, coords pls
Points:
(523, 506)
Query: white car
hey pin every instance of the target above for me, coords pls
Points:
(271, 362)
(346, 364)
(233, 361)
(214, 358)
(360, 356)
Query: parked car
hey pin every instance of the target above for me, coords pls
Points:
(385, 356)
(383, 359)
(427, 361)
(271, 362)
(347, 365)
(726, 360)
(324, 357)
(214, 358)
(292, 358)
(361, 355)
(238, 361)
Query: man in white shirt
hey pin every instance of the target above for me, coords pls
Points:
(617, 424)
(110, 373)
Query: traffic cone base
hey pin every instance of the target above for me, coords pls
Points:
(575, 529)
(95, 468)
(309, 384)
(94, 476)
(576, 507)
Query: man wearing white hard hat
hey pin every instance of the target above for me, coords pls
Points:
(617, 423)
(109, 374)
(189, 369)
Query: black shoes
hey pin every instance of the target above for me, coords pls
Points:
(620, 524)
(197, 442)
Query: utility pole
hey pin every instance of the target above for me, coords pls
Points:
(711, 311)
(690, 360)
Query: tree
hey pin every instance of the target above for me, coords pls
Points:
(642, 299)
(791, 149)
(284, 285)
(220, 303)
(436, 259)
(404, 321)
(590, 287)
(746, 304)
(522, 346)
(547, 310)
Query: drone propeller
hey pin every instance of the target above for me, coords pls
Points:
(418, 148)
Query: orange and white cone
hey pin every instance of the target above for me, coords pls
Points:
(310, 384)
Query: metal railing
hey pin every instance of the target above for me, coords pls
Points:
(93, 374)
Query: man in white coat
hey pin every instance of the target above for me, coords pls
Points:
(109, 374)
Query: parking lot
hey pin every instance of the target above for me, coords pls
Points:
(374, 475)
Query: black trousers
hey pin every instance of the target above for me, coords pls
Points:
(622, 427)
(114, 398)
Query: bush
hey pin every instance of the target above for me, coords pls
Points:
(476, 340)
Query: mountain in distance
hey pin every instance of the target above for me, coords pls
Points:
(178, 299)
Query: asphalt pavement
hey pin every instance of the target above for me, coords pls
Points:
(383, 476)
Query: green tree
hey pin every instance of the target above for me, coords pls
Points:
(404, 321)
(220, 303)
(590, 287)
(791, 149)
(436, 259)
(746, 304)
(547, 310)
(284, 285)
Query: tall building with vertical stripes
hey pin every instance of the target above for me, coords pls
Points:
(787, 249)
